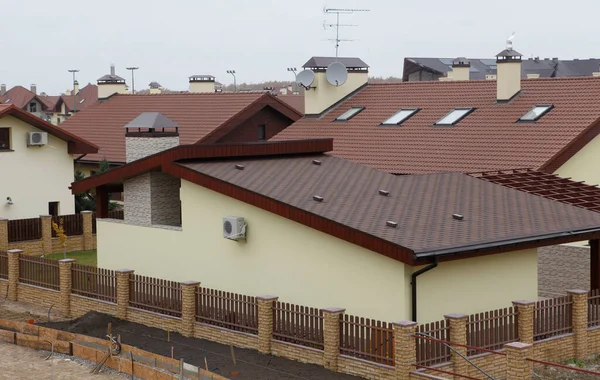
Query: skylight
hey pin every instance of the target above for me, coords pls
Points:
(536, 112)
(7, 100)
(400, 116)
(454, 116)
(353, 111)
(82, 100)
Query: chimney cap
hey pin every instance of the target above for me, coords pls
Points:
(154, 85)
(461, 62)
(151, 120)
(111, 78)
(507, 55)
(201, 78)
(321, 63)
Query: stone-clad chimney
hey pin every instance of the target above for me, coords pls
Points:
(151, 198)
(508, 80)
(202, 83)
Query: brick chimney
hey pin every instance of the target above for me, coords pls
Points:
(202, 83)
(111, 84)
(508, 81)
(151, 198)
(321, 95)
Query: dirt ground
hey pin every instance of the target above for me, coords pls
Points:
(18, 311)
(553, 373)
(250, 364)
(25, 363)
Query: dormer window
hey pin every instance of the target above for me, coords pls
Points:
(353, 111)
(454, 116)
(536, 112)
(400, 116)
(33, 107)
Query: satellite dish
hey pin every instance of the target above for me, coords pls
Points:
(336, 74)
(305, 78)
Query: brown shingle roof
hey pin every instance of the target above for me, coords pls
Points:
(197, 114)
(487, 139)
(275, 178)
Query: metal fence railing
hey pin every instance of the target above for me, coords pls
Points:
(24, 229)
(367, 339)
(492, 330)
(4, 265)
(298, 324)
(39, 271)
(594, 308)
(431, 352)
(228, 310)
(94, 282)
(552, 317)
(72, 224)
(156, 295)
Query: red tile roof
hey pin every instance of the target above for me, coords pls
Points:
(487, 139)
(77, 145)
(19, 96)
(546, 185)
(86, 97)
(294, 100)
(197, 114)
(495, 218)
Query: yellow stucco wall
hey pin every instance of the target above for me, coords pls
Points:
(509, 80)
(584, 165)
(478, 284)
(106, 90)
(34, 176)
(325, 95)
(307, 267)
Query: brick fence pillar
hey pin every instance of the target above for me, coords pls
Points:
(405, 348)
(88, 238)
(188, 307)
(47, 233)
(331, 337)
(517, 365)
(525, 320)
(123, 276)
(265, 322)
(458, 334)
(13, 273)
(3, 235)
(65, 285)
(580, 322)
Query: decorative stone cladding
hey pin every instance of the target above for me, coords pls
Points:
(152, 199)
(140, 147)
(563, 267)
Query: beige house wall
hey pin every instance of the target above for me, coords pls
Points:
(34, 176)
(584, 165)
(307, 267)
(325, 95)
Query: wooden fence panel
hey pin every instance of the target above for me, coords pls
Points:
(492, 330)
(154, 294)
(228, 310)
(24, 229)
(298, 324)
(94, 282)
(39, 271)
(73, 224)
(4, 265)
(431, 352)
(594, 308)
(552, 317)
(367, 339)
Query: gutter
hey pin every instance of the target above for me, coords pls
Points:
(413, 283)
(501, 243)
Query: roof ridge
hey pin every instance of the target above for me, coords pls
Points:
(197, 93)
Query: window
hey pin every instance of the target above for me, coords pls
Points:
(536, 112)
(400, 116)
(7, 101)
(57, 120)
(82, 100)
(353, 111)
(33, 107)
(4, 139)
(53, 208)
(454, 116)
(262, 133)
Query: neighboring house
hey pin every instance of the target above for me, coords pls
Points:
(427, 69)
(27, 100)
(66, 105)
(207, 117)
(36, 162)
(323, 231)
(549, 124)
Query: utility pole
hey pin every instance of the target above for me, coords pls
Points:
(232, 72)
(295, 85)
(73, 71)
(132, 69)
(337, 24)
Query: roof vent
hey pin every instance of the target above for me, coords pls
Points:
(385, 193)
(316, 162)
(389, 223)
(458, 216)
(239, 167)
(317, 198)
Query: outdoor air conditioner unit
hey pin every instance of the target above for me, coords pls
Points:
(37, 138)
(234, 228)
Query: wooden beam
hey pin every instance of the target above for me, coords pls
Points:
(594, 264)
(101, 202)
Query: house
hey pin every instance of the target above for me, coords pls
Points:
(427, 69)
(36, 162)
(27, 100)
(71, 102)
(205, 116)
(547, 124)
(287, 218)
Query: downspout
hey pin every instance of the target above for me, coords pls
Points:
(413, 284)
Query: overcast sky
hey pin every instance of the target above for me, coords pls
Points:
(170, 40)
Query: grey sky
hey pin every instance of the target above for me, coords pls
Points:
(170, 40)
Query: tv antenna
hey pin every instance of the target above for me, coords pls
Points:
(337, 25)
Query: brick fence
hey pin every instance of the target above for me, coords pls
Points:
(47, 243)
(565, 328)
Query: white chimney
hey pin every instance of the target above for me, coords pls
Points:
(2, 89)
(320, 95)
(111, 84)
(202, 83)
(76, 87)
(460, 69)
(155, 88)
(508, 82)
(34, 89)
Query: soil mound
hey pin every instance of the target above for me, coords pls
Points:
(87, 323)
